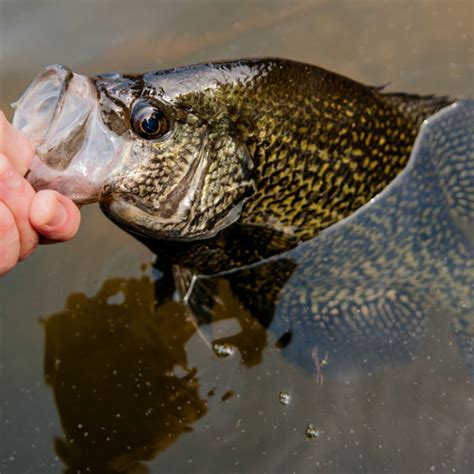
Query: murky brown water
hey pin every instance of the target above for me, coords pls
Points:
(100, 365)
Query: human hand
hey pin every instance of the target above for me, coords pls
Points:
(25, 215)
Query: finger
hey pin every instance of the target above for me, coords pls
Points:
(9, 240)
(15, 146)
(54, 216)
(16, 193)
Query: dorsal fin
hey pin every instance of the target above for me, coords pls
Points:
(419, 107)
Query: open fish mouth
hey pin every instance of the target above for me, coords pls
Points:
(37, 107)
(60, 114)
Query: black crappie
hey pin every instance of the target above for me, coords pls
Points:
(184, 153)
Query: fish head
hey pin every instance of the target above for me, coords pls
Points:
(160, 160)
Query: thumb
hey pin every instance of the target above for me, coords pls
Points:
(54, 216)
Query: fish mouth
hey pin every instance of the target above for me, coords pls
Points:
(60, 114)
(36, 108)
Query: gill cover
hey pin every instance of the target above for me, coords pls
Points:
(189, 186)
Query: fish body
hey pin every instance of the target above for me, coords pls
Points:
(182, 154)
(368, 291)
(224, 164)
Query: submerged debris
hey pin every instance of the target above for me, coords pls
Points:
(284, 397)
(312, 432)
(223, 350)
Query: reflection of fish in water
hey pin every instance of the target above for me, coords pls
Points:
(281, 150)
(97, 347)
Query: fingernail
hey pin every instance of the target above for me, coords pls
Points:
(58, 217)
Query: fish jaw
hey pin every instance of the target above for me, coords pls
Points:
(60, 114)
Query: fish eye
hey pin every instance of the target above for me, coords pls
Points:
(148, 120)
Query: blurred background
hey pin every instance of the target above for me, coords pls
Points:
(415, 45)
(424, 46)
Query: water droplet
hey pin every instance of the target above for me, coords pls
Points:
(312, 432)
(284, 397)
(223, 350)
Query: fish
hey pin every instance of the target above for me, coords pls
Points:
(273, 149)
(334, 221)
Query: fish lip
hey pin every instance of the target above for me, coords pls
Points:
(78, 189)
(54, 113)
(67, 130)
(62, 93)
(64, 74)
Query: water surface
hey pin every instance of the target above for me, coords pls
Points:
(99, 364)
